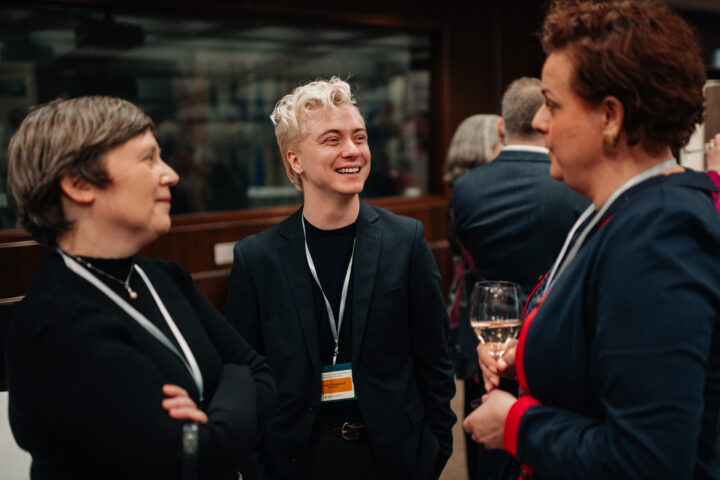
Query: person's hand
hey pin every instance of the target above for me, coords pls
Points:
(492, 369)
(486, 424)
(180, 406)
(712, 154)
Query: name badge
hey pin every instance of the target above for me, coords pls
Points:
(337, 383)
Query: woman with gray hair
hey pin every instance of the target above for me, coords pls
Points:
(118, 367)
(475, 142)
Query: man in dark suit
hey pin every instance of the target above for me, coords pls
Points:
(510, 214)
(345, 301)
(512, 217)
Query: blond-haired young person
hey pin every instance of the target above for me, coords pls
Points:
(345, 301)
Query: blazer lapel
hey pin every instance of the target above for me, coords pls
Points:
(365, 266)
(296, 270)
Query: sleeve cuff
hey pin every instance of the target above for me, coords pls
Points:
(512, 422)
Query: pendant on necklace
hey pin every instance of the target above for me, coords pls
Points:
(131, 293)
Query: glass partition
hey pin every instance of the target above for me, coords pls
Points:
(210, 85)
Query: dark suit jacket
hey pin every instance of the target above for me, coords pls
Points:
(401, 368)
(513, 217)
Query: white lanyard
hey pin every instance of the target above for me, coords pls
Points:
(188, 359)
(343, 296)
(557, 268)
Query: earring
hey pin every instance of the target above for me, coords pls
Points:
(609, 141)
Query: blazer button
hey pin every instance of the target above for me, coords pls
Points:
(293, 458)
(312, 407)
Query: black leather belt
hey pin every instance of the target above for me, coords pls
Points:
(346, 430)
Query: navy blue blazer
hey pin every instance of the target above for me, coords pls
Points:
(512, 216)
(624, 354)
(401, 368)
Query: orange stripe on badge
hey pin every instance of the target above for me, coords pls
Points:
(336, 385)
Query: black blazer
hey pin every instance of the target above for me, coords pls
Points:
(401, 368)
(86, 380)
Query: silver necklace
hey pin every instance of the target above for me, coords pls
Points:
(131, 293)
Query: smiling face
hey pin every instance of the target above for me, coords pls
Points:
(572, 127)
(136, 204)
(334, 158)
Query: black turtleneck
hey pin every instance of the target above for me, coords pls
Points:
(145, 304)
(331, 251)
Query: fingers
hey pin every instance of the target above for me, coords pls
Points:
(467, 426)
(490, 380)
(488, 367)
(180, 406)
(486, 359)
(508, 358)
(174, 391)
(191, 414)
(712, 153)
(178, 402)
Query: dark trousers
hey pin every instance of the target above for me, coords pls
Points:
(334, 458)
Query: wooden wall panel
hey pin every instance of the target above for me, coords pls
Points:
(192, 239)
(19, 260)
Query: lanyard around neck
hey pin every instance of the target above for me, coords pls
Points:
(558, 267)
(188, 359)
(343, 296)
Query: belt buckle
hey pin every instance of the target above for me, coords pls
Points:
(344, 433)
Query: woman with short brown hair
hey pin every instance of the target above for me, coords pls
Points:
(619, 356)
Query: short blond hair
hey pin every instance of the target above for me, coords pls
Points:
(291, 112)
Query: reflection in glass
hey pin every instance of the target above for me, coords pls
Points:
(210, 85)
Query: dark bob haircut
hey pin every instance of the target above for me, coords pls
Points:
(642, 53)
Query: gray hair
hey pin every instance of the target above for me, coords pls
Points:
(65, 137)
(521, 101)
(291, 112)
(472, 145)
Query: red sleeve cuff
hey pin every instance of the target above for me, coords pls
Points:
(512, 422)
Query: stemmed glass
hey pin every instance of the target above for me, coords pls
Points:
(495, 314)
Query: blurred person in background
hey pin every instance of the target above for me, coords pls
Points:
(619, 360)
(118, 367)
(474, 143)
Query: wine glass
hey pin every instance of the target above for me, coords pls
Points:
(495, 314)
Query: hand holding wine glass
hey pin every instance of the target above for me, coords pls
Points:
(492, 369)
(495, 319)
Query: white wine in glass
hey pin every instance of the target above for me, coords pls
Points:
(495, 314)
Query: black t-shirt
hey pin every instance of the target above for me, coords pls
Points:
(331, 251)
